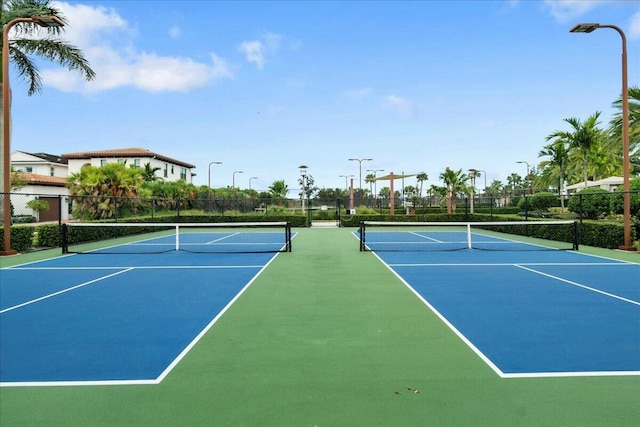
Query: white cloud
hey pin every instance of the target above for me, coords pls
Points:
(565, 10)
(253, 52)
(108, 43)
(400, 104)
(256, 51)
(634, 26)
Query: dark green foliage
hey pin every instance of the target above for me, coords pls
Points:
(542, 201)
(592, 203)
(617, 199)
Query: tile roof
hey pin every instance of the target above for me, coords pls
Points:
(35, 179)
(123, 153)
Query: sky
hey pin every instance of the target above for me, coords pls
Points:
(267, 86)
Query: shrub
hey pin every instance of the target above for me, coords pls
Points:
(592, 203)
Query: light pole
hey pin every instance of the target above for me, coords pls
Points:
(346, 178)
(484, 173)
(303, 175)
(209, 170)
(43, 21)
(233, 181)
(209, 179)
(253, 177)
(526, 179)
(360, 168)
(626, 165)
(375, 183)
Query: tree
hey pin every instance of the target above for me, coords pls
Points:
(456, 183)
(101, 191)
(421, 178)
(279, 189)
(50, 47)
(553, 169)
(24, 45)
(634, 128)
(149, 173)
(581, 139)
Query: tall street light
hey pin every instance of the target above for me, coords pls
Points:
(209, 170)
(375, 183)
(233, 181)
(209, 179)
(346, 178)
(303, 175)
(527, 177)
(360, 163)
(626, 165)
(43, 21)
(253, 177)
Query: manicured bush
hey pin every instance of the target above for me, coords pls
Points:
(592, 203)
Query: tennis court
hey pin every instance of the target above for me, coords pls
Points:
(324, 335)
(120, 315)
(525, 308)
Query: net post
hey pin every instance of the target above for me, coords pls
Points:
(64, 239)
(362, 238)
(177, 237)
(468, 235)
(575, 235)
(287, 232)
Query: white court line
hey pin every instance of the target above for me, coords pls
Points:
(221, 238)
(145, 267)
(589, 288)
(426, 237)
(64, 291)
(167, 370)
(510, 264)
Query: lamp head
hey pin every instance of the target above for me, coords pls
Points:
(584, 28)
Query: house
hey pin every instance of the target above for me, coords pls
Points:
(49, 189)
(169, 169)
(609, 184)
(39, 163)
(45, 176)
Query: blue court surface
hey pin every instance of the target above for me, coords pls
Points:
(113, 319)
(531, 313)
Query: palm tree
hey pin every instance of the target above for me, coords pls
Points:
(581, 139)
(634, 128)
(50, 47)
(23, 45)
(149, 173)
(456, 183)
(553, 169)
(421, 177)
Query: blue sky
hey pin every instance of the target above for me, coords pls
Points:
(267, 86)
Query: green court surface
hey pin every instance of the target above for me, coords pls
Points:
(329, 336)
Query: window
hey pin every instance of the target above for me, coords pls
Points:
(52, 171)
(136, 163)
(166, 170)
(183, 173)
(103, 162)
(172, 170)
(28, 169)
(122, 161)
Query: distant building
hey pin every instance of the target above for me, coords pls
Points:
(169, 169)
(46, 175)
(609, 184)
(39, 163)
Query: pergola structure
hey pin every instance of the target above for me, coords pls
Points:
(391, 177)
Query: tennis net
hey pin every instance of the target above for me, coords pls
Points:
(140, 238)
(450, 236)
